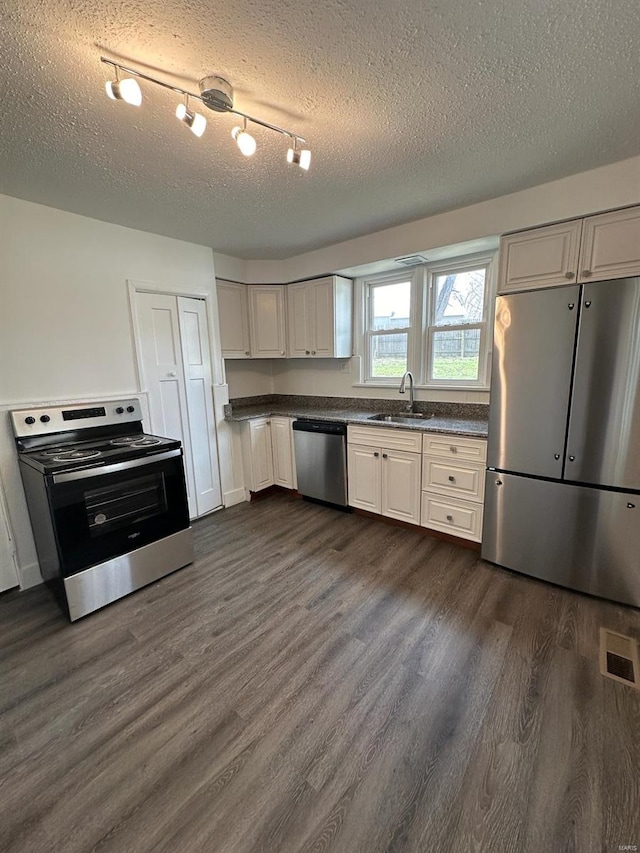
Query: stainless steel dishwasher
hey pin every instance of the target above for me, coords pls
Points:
(321, 460)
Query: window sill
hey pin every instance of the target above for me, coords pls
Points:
(396, 382)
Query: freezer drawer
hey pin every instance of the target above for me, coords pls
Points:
(580, 537)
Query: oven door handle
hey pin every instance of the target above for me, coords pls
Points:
(97, 471)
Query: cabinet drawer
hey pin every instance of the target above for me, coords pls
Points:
(393, 439)
(450, 515)
(452, 447)
(463, 480)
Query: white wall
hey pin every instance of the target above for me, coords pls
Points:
(608, 187)
(250, 377)
(65, 326)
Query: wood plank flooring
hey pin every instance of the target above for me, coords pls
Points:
(318, 682)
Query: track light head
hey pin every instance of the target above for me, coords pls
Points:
(126, 90)
(245, 142)
(194, 121)
(299, 156)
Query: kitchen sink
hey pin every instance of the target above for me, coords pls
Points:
(405, 418)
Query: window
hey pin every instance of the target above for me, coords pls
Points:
(432, 321)
(389, 307)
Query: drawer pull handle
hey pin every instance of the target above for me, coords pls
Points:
(449, 518)
(452, 479)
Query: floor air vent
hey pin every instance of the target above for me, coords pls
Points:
(619, 658)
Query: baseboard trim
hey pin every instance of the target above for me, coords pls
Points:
(29, 576)
(237, 496)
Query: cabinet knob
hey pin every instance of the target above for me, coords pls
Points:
(586, 273)
(452, 479)
(449, 518)
(376, 454)
(281, 352)
(384, 456)
(631, 506)
(587, 304)
(453, 448)
(247, 352)
(498, 482)
(307, 352)
(572, 459)
(572, 305)
(313, 352)
(569, 275)
(556, 456)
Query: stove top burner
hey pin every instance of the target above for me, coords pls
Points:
(73, 455)
(135, 441)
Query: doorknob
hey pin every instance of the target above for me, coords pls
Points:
(172, 373)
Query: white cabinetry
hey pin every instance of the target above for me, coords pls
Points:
(233, 310)
(595, 248)
(453, 485)
(267, 320)
(319, 316)
(267, 453)
(384, 471)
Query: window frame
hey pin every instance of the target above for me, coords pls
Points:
(421, 328)
(368, 285)
(430, 328)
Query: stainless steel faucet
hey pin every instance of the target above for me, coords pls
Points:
(403, 382)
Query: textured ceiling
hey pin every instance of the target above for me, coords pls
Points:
(411, 108)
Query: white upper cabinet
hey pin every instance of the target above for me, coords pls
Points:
(267, 320)
(539, 258)
(595, 248)
(319, 314)
(611, 246)
(233, 310)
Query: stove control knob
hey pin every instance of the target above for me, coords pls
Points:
(45, 419)
(29, 420)
(130, 409)
(119, 410)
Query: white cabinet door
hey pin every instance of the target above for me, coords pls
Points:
(261, 454)
(611, 245)
(364, 477)
(298, 320)
(401, 485)
(542, 257)
(194, 335)
(321, 317)
(233, 310)
(267, 321)
(284, 472)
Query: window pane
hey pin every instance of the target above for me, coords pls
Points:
(388, 355)
(459, 298)
(390, 306)
(455, 354)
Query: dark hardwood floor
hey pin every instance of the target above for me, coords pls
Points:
(318, 681)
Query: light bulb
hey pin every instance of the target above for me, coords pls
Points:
(245, 142)
(126, 90)
(194, 121)
(300, 157)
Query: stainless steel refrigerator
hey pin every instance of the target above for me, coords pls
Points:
(563, 481)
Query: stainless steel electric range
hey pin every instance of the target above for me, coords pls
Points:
(107, 503)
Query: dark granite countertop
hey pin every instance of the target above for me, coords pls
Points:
(461, 419)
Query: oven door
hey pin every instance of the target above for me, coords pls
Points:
(101, 513)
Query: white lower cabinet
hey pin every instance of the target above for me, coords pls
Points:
(267, 453)
(382, 478)
(453, 485)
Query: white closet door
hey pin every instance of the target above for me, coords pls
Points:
(194, 334)
(163, 369)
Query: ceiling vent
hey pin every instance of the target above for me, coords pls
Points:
(411, 260)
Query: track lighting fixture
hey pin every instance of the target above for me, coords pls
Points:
(216, 94)
(245, 142)
(194, 121)
(299, 156)
(126, 90)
